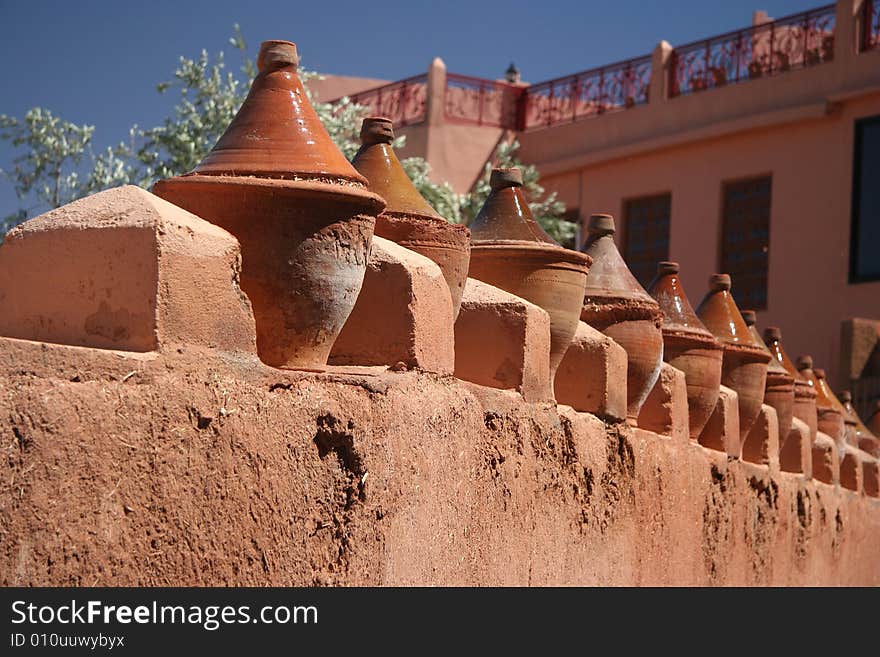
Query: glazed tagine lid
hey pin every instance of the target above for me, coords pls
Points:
(851, 416)
(773, 341)
(679, 318)
(722, 317)
(377, 161)
(610, 280)
(277, 133)
(750, 317)
(805, 367)
(826, 391)
(505, 216)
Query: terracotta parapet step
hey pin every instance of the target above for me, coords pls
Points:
(826, 459)
(124, 270)
(851, 463)
(502, 341)
(722, 431)
(796, 450)
(665, 411)
(870, 475)
(761, 445)
(592, 375)
(403, 314)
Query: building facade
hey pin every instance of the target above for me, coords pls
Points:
(755, 153)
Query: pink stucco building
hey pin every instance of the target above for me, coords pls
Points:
(756, 153)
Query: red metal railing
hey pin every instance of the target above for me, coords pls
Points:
(870, 25)
(796, 41)
(606, 89)
(403, 101)
(482, 102)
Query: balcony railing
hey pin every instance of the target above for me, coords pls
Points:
(590, 93)
(796, 41)
(870, 25)
(481, 102)
(403, 102)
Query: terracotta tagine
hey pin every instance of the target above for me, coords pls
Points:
(804, 395)
(688, 346)
(408, 219)
(303, 215)
(828, 415)
(779, 390)
(511, 251)
(862, 437)
(745, 362)
(616, 305)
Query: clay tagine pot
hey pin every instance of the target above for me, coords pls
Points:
(511, 251)
(688, 346)
(616, 305)
(303, 215)
(862, 437)
(408, 219)
(828, 414)
(804, 395)
(779, 390)
(745, 362)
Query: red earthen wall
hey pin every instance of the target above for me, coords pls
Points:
(193, 468)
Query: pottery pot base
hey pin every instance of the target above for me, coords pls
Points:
(748, 377)
(702, 371)
(643, 343)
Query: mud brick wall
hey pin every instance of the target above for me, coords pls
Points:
(193, 468)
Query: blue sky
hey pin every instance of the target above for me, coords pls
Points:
(98, 62)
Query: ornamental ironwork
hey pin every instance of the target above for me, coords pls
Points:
(403, 102)
(796, 41)
(606, 89)
(481, 102)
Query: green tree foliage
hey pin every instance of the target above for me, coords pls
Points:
(57, 165)
(52, 150)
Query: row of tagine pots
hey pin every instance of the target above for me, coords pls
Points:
(305, 217)
(719, 344)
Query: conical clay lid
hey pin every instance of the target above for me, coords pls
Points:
(679, 317)
(722, 317)
(751, 319)
(851, 416)
(609, 278)
(805, 367)
(377, 161)
(505, 216)
(773, 341)
(827, 392)
(277, 133)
